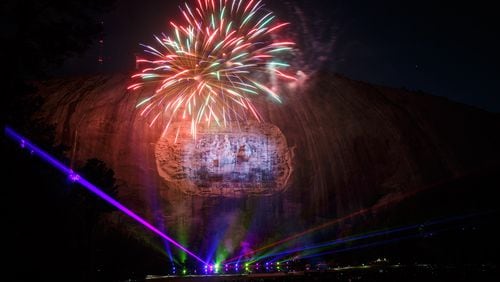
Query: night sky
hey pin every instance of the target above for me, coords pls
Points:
(443, 48)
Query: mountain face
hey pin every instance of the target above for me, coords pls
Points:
(349, 146)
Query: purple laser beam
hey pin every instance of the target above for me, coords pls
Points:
(76, 178)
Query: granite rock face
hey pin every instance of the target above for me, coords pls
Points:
(351, 145)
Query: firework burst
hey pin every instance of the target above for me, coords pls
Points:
(214, 64)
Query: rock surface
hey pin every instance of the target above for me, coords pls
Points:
(354, 145)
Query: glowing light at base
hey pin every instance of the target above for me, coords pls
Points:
(332, 223)
(407, 232)
(24, 143)
(216, 61)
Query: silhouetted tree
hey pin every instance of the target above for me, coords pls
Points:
(37, 37)
(88, 209)
(42, 34)
(97, 172)
(40, 226)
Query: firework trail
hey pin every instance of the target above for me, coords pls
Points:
(314, 33)
(213, 66)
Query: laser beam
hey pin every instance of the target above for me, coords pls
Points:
(92, 188)
(385, 232)
(336, 221)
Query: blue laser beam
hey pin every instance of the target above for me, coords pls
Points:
(92, 188)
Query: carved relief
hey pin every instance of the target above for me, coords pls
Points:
(253, 159)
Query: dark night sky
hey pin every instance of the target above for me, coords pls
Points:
(443, 48)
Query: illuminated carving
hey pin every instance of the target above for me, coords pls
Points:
(251, 160)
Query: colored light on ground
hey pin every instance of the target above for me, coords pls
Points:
(92, 188)
(334, 222)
